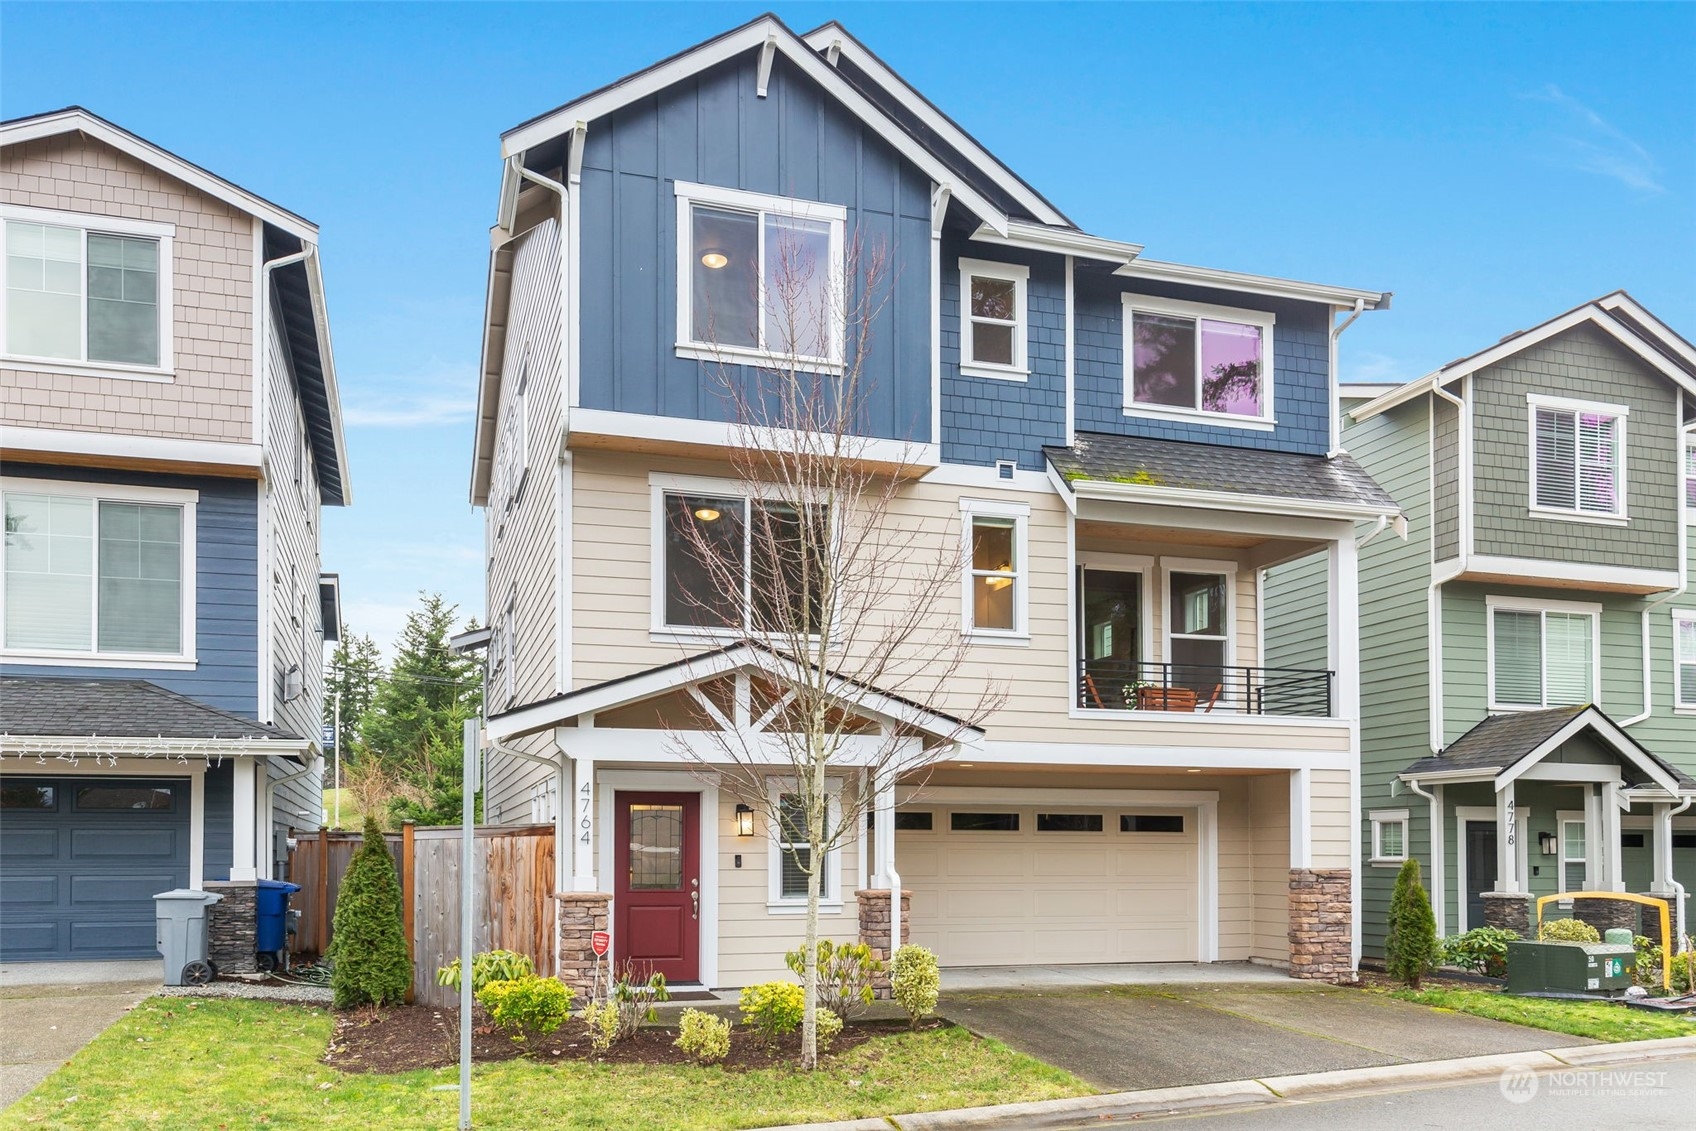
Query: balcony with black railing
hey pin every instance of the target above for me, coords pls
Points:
(1130, 685)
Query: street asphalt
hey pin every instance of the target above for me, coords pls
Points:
(1134, 1038)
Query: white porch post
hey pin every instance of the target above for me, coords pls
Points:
(1507, 840)
(1343, 625)
(1613, 873)
(244, 821)
(1301, 820)
(1439, 862)
(883, 833)
(582, 816)
(1660, 827)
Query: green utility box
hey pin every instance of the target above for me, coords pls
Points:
(1573, 968)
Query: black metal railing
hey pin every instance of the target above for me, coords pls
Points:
(1125, 685)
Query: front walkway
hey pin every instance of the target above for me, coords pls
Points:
(49, 1010)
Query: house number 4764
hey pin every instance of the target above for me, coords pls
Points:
(583, 804)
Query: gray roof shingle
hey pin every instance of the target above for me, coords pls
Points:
(1500, 741)
(117, 708)
(1210, 467)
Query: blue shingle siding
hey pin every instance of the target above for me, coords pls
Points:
(985, 419)
(1300, 361)
(796, 142)
(226, 577)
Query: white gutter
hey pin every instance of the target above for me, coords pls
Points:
(1215, 500)
(1060, 241)
(1439, 878)
(1336, 380)
(1653, 607)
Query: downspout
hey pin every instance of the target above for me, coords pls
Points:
(1653, 607)
(1434, 607)
(271, 784)
(1677, 888)
(1438, 838)
(1336, 381)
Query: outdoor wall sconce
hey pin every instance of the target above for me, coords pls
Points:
(1546, 843)
(744, 820)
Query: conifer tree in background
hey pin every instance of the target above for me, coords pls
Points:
(356, 666)
(370, 964)
(1410, 949)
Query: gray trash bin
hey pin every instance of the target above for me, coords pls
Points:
(180, 931)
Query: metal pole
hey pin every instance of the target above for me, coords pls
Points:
(467, 933)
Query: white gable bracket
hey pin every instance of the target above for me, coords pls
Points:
(767, 53)
(833, 52)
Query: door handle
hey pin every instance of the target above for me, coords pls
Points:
(694, 905)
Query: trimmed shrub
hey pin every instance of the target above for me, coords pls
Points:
(489, 966)
(369, 962)
(1647, 970)
(703, 1036)
(1483, 950)
(829, 1027)
(526, 1008)
(602, 1020)
(1410, 947)
(1680, 967)
(845, 972)
(632, 1000)
(915, 981)
(1568, 930)
(773, 1009)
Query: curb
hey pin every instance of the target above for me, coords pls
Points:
(1269, 1090)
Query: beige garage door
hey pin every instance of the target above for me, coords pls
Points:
(995, 885)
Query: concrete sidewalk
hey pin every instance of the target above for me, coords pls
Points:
(50, 1010)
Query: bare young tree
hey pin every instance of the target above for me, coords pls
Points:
(823, 568)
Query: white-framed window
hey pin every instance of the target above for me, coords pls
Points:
(1205, 362)
(789, 856)
(512, 465)
(1690, 478)
(1542, 653)
(98, 573)
(1199, 634)
(86, 291)
(730, 563)
(1389, 836)
(1684, 659)
(509, 648)
(994, 319)
(759, 278)
(1577, 458)
(1574, 858)
(995, 597)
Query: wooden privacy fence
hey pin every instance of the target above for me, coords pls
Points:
(514, 898)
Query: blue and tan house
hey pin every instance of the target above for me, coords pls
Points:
(1125, 446)
(1529, 697)
(171, 434)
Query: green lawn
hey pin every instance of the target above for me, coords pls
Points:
(1599, 1020)
(237, 1064)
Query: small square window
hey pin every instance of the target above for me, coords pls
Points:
(1631, 840)
(983, 822)
(1069, 823)
(915, 822)
(1389, 836)
(993, 319)
(1151, 823)
(124, 797)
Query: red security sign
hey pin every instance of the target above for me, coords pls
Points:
(600, 942)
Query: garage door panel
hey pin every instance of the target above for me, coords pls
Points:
(118, 888)
(1155, 902)
(997, 861)
(984, 948)
(29, 939)
(996, 905)
(128, 844)
(1155, 860)
(1073, 945)
(919, 860)
(28, 844)
(1055, 904)
(26, 890)
(90, 940)
(1070, 862)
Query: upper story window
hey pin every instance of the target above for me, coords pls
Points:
(1199, 628)
(1211, 362)
(994, 319)
(734, 563)
(1684, 658)
(759, 278)
(86, 290)
(512, 462)
(1542, 654)
(98, 573)
(996, 595)
(1577, 457)
(1690, 477)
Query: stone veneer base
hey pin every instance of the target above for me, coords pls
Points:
(581, 914)
(873, 904)
(232, 926)
(1322, 924)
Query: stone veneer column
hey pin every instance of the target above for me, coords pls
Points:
(873, 905)
(232, 927)
(581, 914)
(1605, 914)
(1508, 911)
(1321, 924)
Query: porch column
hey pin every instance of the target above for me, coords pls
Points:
(1660, 837)
(1343, 626)
(244, 821)
(883, 834)
(1507, 840)
(1613, 873)
(583, 821)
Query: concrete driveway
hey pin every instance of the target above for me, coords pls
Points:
(48, 1011)
(1124, 1038)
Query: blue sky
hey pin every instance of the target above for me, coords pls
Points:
(1492, 165)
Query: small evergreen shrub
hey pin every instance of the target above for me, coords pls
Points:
(1483, 950)
(488, 966)
(773, 1009)
(368, 957)
(845, 972)
(829, 1027)
(1568, 930)
(915, 981)
(526, 1008)
(1647, 970)
(1410, 947)
(1680, 967)
(703, 1036)
(602, 1021)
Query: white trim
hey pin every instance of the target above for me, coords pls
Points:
(1380, 818)
(1493, 604)
(1205, 755)
(1131, 304)
(940, 194)
(189, 536)
(1681, 617)
(1019, 514)
(1484, 814)
(1140, 564)
(565, 534)
(1619, 414)
(830, 881)
(761, 206)
(717, 434)
(1581, 818)
(1071, 352)
(978, 478)
(1202, 567)
(1572, 573)
(1252, 284)
(1240, 503)
(15, 439)
(1301, 818)
(1020, 276)
(1059, 241)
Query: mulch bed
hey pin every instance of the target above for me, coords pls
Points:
(407, 1037)
(1376, 980)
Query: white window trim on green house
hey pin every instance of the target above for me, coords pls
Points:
(1567, 823)
(1389, 837)
(1684, 660)
(1565, 611)
(1541, 409)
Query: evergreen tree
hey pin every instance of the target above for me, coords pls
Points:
(1410, 948)
(369, 957)
(356, 666)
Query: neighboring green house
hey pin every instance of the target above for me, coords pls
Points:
(1548, 484)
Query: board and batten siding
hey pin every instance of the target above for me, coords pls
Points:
(522, 535)
(796, 142)
(210, 393)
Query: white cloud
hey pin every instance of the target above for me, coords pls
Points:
(1589, 143)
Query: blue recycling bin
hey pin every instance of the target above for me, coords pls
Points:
(272, 901)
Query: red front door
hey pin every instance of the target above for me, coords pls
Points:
(657, 898)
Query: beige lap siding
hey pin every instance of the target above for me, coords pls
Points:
(1270, 866)
(211, 395)
(1328, 792)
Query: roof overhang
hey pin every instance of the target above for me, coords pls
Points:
(497, 309)
(1060, 241)
(608, 430)
(1591, 720)
(1154, 495)
(304, 307)
(330, 605)
(1270, 286)
(74, 746)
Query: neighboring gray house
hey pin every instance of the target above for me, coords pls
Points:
(1530, 651)
(1126, 445)
(171, 431)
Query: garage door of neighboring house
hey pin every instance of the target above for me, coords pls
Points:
(84, 857)
(996, 885)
